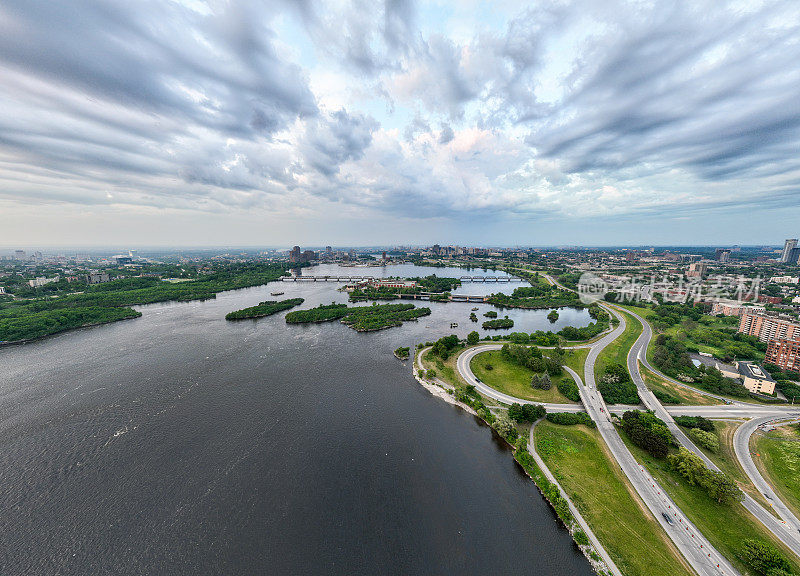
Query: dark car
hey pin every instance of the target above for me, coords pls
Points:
(667, 517)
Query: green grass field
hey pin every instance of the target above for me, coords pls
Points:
(725, 526)
(637, 544)
(617, 351)
(515, 380)
(777, 456)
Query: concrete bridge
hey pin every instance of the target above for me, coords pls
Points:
(349, 279)
(490, 279)
(326, 278)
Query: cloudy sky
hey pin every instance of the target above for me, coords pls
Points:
(313, 122)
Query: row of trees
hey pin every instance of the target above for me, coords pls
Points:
(571, 418)
(717, 485)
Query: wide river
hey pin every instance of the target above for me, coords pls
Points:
(179, 443)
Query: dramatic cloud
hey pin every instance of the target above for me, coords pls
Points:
(561, 110)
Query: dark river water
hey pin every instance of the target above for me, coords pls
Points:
(179, 443)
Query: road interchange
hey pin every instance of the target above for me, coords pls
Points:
(703, 557)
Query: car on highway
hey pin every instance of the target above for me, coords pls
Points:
(668, 518)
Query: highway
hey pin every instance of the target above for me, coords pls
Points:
(741, 445)
(697, 550)
(787, 528)
(702, 556)
(691, 543)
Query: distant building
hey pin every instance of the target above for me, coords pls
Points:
(733, 308)
(41, 281)
(783, 353)
(19, 254)
(97, 277)
(308, 256)
(784, 280)
(122, 260)
(294, 254)
(789, 248)
(328, 251)
(767, 328)
(722, 254)
(697, 270)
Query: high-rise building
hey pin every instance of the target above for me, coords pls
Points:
(788, 249)
(697, 270)
(783, 353)
(19, 254)
(328, 251)
(723, 254)
(767, 328)
(294, 254)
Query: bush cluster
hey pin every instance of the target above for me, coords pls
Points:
(648, 432)
(570, 418)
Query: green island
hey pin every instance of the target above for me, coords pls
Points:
(27, 319)
(498, 324)
(403, 353)
(537, 296)
(266, 308)
(359, 318)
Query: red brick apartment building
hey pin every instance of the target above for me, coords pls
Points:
(767, 328)
(784, 353)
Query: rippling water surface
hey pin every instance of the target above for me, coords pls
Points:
(179, 443)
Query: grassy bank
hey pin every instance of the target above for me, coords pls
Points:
(576, 456)
(725, 526)
(777, 456)
(685, 395)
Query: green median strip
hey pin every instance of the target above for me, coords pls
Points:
(602, 494)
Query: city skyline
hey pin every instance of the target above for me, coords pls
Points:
(196, 123)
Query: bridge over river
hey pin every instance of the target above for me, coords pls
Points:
(349, 279)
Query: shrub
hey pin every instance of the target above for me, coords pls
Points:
(581, 539)
(695, 422)
(570, 390)
(763, 557)
(570, 418)
(526, 412)
(542, 382)
(473, 338)
(707, 440)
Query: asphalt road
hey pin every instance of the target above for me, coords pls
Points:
(787, 528)
(741, 445)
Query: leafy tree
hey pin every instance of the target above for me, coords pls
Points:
(552, 316)
(542, 382)
(717, 485)
(708, 440)
(695, 422)
(526, 412)
(763, 557)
